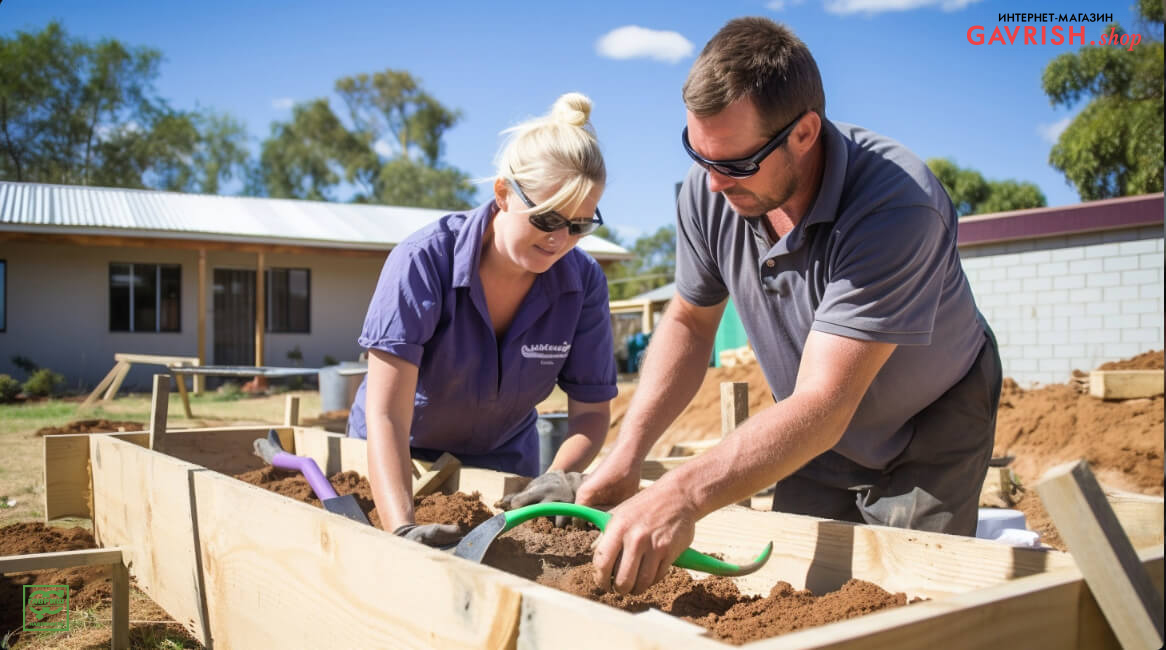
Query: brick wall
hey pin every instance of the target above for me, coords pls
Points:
(1072, 301)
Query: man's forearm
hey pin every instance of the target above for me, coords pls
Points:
(676, 363)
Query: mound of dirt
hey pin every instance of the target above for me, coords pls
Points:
(1152, 360)
(88, 586)
(701, 419)
(92, 426)
(1043, 427)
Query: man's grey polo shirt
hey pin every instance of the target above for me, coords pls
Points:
(875, 259)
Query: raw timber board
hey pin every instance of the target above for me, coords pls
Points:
(1125, 384)
(245, 567)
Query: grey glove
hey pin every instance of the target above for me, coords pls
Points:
(556, 485)
(436, 535)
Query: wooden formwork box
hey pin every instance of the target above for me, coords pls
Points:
(242, 567)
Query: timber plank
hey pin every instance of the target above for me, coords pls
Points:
(1111, 568)
(1125, 384)
(142, 503)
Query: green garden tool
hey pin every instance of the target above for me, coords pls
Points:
(473, 546)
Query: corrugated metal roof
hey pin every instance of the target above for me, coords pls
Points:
(36, 207)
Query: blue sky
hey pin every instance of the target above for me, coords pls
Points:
(904, 68)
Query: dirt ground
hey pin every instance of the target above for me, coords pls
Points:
(561, 558)
(90, 597)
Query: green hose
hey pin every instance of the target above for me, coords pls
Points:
(689, 559)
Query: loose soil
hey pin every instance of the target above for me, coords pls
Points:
(91, 426)
(561, 558)
(89, 587)
(1152, 360)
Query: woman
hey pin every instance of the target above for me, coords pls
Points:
(476, 318)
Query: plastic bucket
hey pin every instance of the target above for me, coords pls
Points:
(552, 431)
(338, 390)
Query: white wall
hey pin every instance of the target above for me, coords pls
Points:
(1070, 302)
(58, 308)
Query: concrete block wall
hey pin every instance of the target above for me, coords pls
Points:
(1070, 302)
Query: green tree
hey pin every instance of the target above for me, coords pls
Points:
(654, 264)
(313, 154)
(1114, 146)
(972, 194)
(74, 112)
(309, 156)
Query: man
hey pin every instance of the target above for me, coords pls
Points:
(838, 248)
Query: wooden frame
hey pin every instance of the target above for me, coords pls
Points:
(119, 577)
(242, 567)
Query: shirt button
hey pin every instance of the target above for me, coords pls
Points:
(770, 263)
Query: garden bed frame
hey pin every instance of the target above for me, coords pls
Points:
(240, 566)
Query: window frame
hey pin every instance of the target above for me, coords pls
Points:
(269, 296)
(4, 296)
(158, 267)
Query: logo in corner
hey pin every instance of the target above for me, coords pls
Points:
(42, 602)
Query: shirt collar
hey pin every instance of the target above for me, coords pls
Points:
(467, 248)
(825, 207)
(562, 277)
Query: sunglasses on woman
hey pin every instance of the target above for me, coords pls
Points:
(741, 167)
(551, 221)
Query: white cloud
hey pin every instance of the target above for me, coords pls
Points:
(846, 7)
(634, 42)
(282, 103)
(1052, 132)
(383, 148)
(782, 5)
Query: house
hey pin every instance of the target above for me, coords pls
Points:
(87, 272)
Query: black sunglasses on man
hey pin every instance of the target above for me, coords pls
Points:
(551, 221)
(741, 167)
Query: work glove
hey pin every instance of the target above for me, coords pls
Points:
(555, 485)
(436, 535)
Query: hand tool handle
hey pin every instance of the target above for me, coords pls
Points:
(689, 559)
(271, 451)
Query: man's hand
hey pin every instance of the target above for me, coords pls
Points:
(645, 535)
(437, 535)
(613, 482)
(555, 485)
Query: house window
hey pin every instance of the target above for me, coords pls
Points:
(288, 300)
(3, 295)
(145, 297)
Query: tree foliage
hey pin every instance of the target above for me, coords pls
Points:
(81, 113)
(654, 264)
(315, 154)
(972, 194)
(1114, 146)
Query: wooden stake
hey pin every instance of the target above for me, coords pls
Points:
(291, 411)
(734, 411)
(120, 581)
(123, 370)
(101, 385)
(159, 404)
(1107, 560)
(438, 473)
(734, 405)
